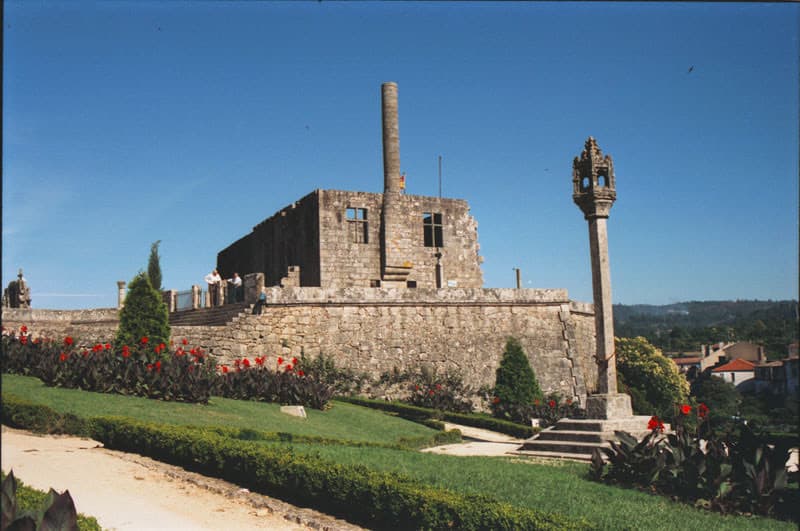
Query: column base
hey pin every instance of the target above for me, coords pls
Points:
(608, 406)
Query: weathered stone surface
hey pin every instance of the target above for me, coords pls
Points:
(609, 406)
(295, 411)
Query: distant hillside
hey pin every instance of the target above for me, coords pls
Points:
(684, 326)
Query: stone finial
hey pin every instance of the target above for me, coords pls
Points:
(593, 181)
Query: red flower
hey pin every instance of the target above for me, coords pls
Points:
(63, 357)
(280, 360)
(23, 340)
(224, 369)
(300, 373)
(569, 401)
(190, 368)
(260, 361)
(686, 409)
(438, 387)
(246, 362)
(702, 410)
(68, 341)
(655, 423)
(144, 340)
(180, 352)
(294, 361)
(185, 341)
(552, 403)
(536, 402)
(23, 329)
(85, 353)
(430, 392)
(158, 365)
(289, 368)
(125, 351)
(149, 366)
(108, 346)
(496, 400)
(98, 347)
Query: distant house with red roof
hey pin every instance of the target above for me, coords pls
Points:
(739, 372)
(711, 356)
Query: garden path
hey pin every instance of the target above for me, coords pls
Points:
(131, 492)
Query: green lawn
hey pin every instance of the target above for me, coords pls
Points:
(343, 421)
(559, 488)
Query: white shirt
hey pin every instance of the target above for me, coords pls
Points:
(212, 278)
(236, 281)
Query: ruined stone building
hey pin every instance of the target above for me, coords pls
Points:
(379, 282)
(336, 239)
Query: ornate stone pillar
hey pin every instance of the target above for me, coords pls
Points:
(120, 294)
(594, 191)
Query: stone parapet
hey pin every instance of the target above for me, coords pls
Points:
(461, 296)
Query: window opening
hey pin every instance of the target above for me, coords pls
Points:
(432, 228)
(357, 225)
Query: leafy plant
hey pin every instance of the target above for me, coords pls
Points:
(443, 392)
(58, 511)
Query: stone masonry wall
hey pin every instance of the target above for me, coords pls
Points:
(89, 325)
(377, 330)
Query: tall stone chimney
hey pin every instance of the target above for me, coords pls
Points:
(391, 139)
(395, 237)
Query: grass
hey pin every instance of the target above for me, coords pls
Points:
(562, 487)
(343, 421)
(559, 488)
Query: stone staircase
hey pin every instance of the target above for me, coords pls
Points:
(218, 316)
(577, 438)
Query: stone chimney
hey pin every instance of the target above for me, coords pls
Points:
(395, 239)
(391, 139)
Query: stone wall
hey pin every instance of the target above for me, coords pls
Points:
(378, 330)
(96, 325)
(288, 238)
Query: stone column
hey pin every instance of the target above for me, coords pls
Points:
(120, 294)
(195, 297)
(395, 263)
(594, 191)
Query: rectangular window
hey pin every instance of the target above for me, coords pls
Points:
(357, 225)
(432, 226)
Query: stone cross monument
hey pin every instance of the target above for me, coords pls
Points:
(594, 191)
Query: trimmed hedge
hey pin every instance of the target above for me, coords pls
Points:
(421, 414)
(376, 499)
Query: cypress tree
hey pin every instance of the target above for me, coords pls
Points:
(515, 383)
(144, 315)
(154, 266)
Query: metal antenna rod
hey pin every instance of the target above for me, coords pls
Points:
(440, 176)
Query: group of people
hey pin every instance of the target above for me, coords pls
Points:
(235, 290)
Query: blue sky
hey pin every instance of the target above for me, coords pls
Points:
(189, 123)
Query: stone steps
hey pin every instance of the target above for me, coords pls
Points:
(219, 316)
(578, 438)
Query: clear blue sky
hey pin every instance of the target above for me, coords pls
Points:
(130, 122)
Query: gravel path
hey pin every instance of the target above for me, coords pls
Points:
(131, 492)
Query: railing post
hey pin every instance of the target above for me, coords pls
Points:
(195, 297)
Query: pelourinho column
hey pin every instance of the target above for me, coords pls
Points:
(594, 191)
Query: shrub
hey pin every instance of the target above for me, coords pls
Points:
(285, 385)
(516, 386)
(650, 378)
(442, 392)
(144, 316)
(552, 409)
(345, 381)
(730, 470)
